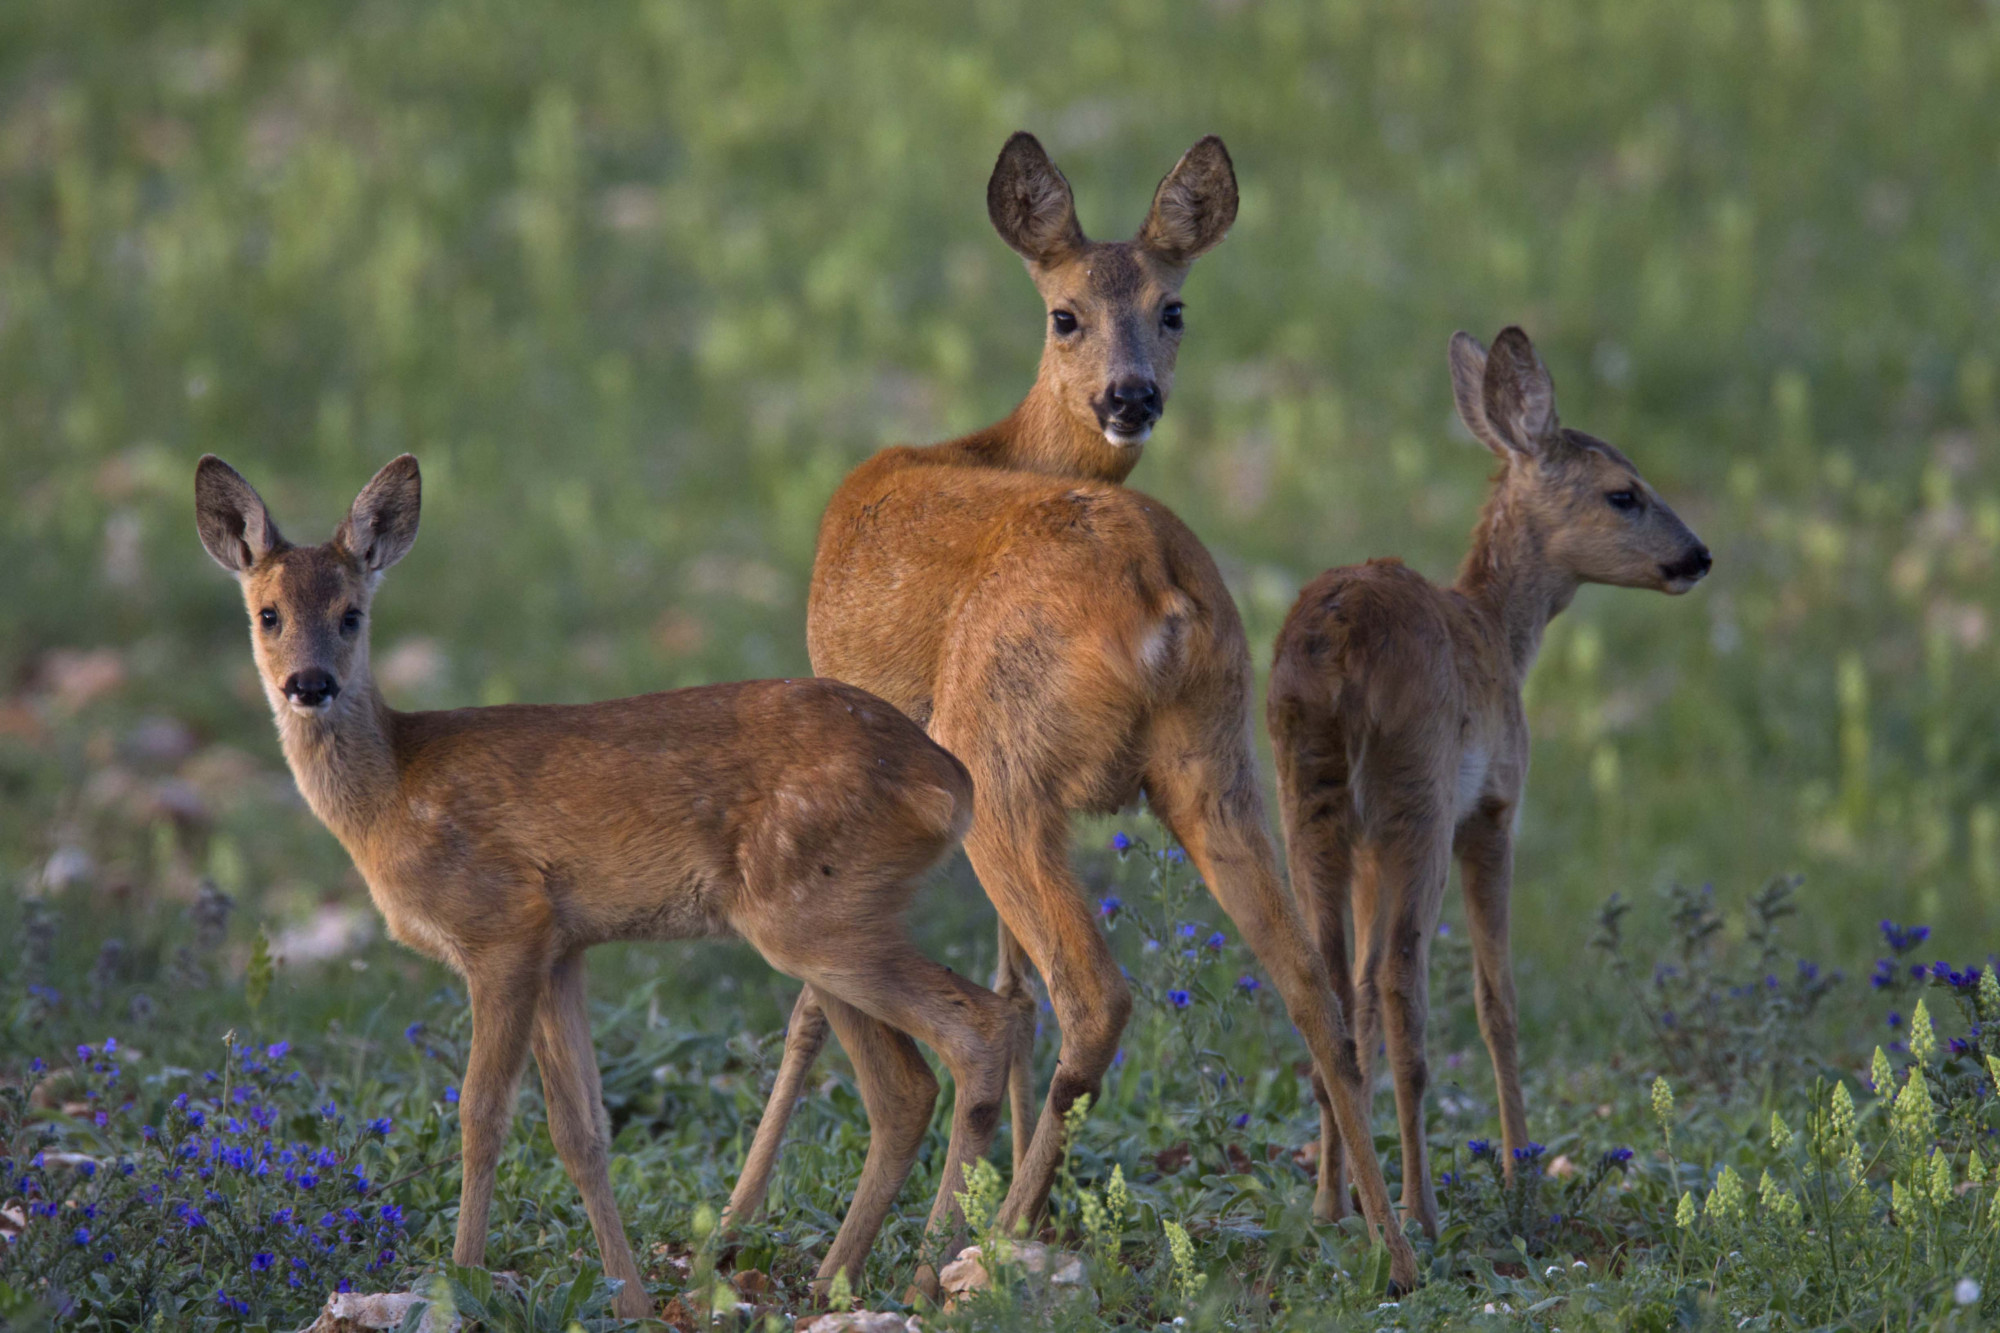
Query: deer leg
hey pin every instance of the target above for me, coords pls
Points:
(1413, 869)
(1208, 795)
(1366, 1013)
(1318, 812)
(1022, 859)
(864, 965)
(504, 999)
(1486, 869)
(899, 1092)
(805, 1034)
(571, 1085)
(1010, 983)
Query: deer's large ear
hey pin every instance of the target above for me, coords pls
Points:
(1030, 203)
(235, 526)
(1520, 398)
(1194, 206)
(381, 527)
(1468, 390)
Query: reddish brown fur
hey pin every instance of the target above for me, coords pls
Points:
(506, 841)
(1073, 643)
(1395, 713)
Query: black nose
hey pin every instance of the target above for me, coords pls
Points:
(1690, 566)
(311, 687)
(1134, 397)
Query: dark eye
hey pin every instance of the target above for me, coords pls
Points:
(1623, 501)
(350, 621)
(1171, 316)
(1064, 322)
(268, 618)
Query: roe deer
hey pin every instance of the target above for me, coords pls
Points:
(1073, 643)
(506, 841)
(1395, 713)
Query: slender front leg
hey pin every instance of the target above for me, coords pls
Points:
(804, 1036)
(575, 1094)
(504, 1000)
(1486, 865)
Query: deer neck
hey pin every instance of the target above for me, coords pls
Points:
(344, 763)
(1041, 435)
(1511, 582)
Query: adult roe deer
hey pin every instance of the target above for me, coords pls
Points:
(1395, 713)
(1073, 643)
(505, 841)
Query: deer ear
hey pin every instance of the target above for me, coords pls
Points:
(1194, 206)
(1520, 397)
(1468, 390)
(235, 526)
(1030, 203)
(382, 526)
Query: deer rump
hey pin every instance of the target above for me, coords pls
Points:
(1050, 612)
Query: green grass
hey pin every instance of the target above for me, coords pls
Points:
(639, 282)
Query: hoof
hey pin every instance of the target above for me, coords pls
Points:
(923, 1287)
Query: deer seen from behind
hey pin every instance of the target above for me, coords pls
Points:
(1396, 718)
(506, 841)
(1074, 644)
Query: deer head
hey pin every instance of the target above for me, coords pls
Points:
(1115, 314)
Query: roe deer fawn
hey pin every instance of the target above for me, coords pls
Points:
(1395, 714)
(506, 841)
(1073, 643)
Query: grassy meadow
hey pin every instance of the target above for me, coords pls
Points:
(638, 282)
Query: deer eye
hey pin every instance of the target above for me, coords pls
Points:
(350, 621)
(1171, 316)
(1623, 501)
(1064, 322)
(268, 618)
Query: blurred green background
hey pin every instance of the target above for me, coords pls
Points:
(639, 281)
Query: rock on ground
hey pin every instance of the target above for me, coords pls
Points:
(354, 1312)
(1051, 1273)
(862, 1321)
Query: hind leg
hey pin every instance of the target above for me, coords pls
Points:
(805, 1034)
(862, 968)
(1010, 983)
(1318, 816)
(1022, 859)
(1412, 870)
(1203, 785)
(899, 1092)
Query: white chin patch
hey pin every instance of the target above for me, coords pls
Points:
(1125, 439)
(309, 710)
